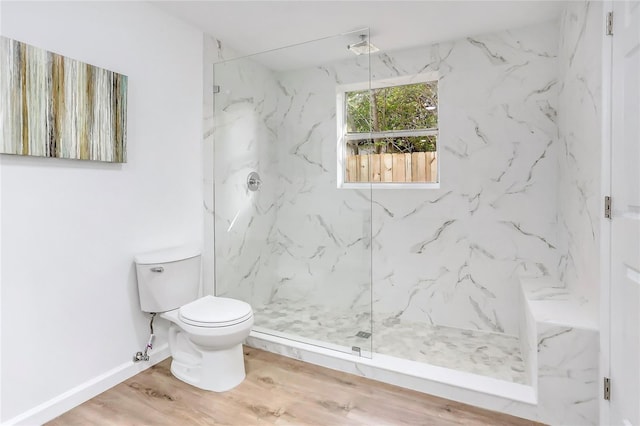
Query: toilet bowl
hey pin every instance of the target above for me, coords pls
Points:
(206, 333)
(205, 339)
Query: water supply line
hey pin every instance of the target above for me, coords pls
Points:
(144, 356)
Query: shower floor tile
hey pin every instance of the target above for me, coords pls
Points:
(488, 354)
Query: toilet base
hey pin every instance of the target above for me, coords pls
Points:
(218, 371)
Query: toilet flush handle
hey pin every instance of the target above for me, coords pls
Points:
(157, 269)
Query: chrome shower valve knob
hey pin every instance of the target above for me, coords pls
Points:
(253, 181)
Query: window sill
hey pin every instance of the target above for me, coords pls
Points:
(389, 185)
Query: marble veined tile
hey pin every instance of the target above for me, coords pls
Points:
(490, 354)
(449, 256)
(579, 129)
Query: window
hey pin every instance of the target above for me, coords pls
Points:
(388, 134)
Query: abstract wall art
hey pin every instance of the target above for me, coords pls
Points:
(54, 106)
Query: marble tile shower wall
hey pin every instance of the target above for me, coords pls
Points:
(295, 238)
(244, 135)
(452, 256)
(323, 233)
(580, 153)
(449, 256)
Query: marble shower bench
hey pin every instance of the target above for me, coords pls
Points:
(559, 341)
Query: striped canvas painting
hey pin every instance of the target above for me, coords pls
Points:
(53, 106)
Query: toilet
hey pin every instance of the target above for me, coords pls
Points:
(206, 333)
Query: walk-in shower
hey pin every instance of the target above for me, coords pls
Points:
(424, 270)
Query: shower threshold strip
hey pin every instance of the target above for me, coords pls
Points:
(473, 389)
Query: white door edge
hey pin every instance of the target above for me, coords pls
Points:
(605, 224)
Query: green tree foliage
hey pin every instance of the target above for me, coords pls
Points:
(407, 107)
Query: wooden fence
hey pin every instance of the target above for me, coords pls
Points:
(413, 167)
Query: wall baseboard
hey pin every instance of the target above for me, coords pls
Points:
(66, 401)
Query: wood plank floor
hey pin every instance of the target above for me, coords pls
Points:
(277, 391)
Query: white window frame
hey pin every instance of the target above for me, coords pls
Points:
(341, 115)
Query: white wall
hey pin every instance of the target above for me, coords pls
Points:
(70, 309)
(579, 127)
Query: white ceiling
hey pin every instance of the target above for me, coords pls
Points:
(256, 26)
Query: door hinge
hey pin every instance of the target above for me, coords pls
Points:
(607, 389)
(607, 207)
(216, 89)
(610, 23)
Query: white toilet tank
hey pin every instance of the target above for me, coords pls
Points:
(169, 278)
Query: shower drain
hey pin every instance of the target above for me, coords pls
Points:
(363, 334)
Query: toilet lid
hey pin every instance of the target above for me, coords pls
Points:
(209, 311)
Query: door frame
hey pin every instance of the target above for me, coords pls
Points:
(605, 224)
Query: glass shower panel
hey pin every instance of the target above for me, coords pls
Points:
(287, 240)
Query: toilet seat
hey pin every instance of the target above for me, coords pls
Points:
(210, 312)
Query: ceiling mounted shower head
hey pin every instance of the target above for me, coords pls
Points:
(363, 46)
